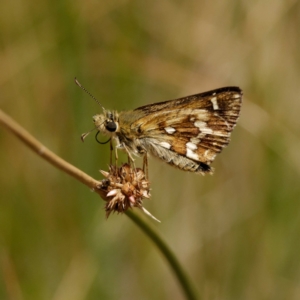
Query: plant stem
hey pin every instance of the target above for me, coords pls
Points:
(186, 284)
(45, 153)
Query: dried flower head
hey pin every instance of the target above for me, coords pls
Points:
(123, 188)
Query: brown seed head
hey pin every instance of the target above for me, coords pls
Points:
(123, 188)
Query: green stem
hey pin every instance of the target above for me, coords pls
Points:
(186, 284)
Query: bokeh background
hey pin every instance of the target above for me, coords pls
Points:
(237, 233)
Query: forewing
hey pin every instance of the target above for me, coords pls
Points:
(197, 127)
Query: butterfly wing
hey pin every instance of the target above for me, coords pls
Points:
(187, 132)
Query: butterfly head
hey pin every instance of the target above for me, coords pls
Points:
(107, 122)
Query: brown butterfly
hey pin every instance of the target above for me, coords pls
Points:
(186, 133)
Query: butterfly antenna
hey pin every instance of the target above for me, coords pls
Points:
(83, 88)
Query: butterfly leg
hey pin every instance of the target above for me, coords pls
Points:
(145, 165)
(130, 158)
(130, 161)
(111, 152)
(111, 157)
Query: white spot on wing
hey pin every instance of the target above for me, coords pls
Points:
(201, 135)
(209, 155)
(220, 133)
(207, 130)
(200, 124)
(214, 102)
(191, 146)
(191, 154)
(170, 130)
(165, 145)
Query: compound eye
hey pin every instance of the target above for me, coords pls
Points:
(111, 126)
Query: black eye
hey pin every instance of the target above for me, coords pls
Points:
(111, 126)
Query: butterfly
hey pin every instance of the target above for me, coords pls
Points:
(186, 133)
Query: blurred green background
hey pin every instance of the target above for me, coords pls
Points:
(237, 233)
